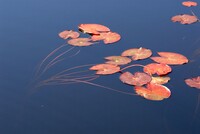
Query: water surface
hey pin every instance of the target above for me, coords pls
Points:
(28, 32)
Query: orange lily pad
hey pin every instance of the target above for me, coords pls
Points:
(93, 28)
(105, 69)
(118, 60)
(160, 80)
(68, 34)
(154, 92)
(156, 68)
(80, 42)
(170, 58)
(137, 78)
(189, 3)
(137, 53)
(184, 19)
(108, 37)
(193, 82)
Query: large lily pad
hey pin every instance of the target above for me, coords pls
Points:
(184, 19)
(154, 92)
(93, 28)
(170, 58)
(156, 68)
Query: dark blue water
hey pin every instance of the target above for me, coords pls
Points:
(29, 32)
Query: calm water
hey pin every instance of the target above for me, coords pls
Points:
(28, 32)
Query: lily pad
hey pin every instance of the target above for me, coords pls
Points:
(189, 3)
(118, 60)
(193, 82)
(137, 53)
(160, 79)
(80, 42)
(170, 58)
(93, 28)
(184, 19)
(105, 69)
(68, 34)
(154, 92)
(138, 78)
(156, 68)
(108, 37)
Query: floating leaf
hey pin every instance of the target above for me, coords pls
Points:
(193, 82)
(80, 42)
(184, 19)
(170, 58)
(93, 28)
(97, 37)
(109, 37)
(68, 34)
(117, 60)
(137, 53)
(138, 78)
(160, 80)
(105, 69)
(177, 18)
(153, 92)
(189, 3)
(155, 68)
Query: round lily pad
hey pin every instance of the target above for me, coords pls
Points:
(137, 53)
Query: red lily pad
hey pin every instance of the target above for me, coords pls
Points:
(184, 19)
(80, 42)
(93, 28)
(105, 69)
(154, 92)
(170, 58)
(108, 37)
(189, 3)
(160, 80)
(193, 82)
(155, 68)
(137, 53)
(138, 78)
(118, 60)
(68, 34)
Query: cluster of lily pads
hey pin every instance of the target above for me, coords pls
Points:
(186, 18)
(149, 83)
(98, 32)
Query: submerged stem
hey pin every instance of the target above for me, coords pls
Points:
(195, 15)
(72, 68)
(55, 60)
(94, 84)
(138, 65)
(49, 55)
